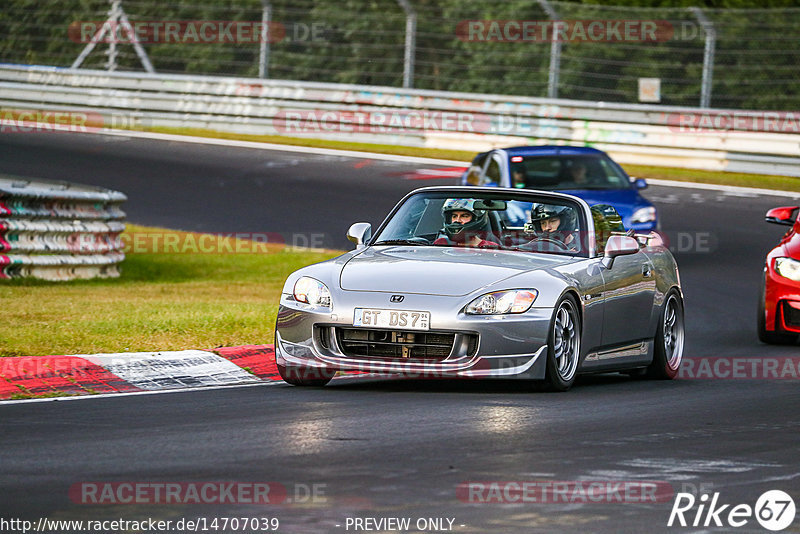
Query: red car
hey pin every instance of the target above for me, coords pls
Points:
(779, 305)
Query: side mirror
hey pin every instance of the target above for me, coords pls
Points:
(619, 245)
(359, 233)
(785, 216)
(639, 183)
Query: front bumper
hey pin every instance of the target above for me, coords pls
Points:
(510, 346)
(782, 302)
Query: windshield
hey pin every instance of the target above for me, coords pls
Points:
(488, 221)
(566, 172)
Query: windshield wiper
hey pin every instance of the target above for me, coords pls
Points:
(401, 242)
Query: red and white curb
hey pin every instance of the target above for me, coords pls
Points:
(127, 372)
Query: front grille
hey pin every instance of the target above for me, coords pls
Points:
(791, 315)
(394, 343)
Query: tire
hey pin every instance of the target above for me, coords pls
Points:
(669, 340)
(305, 376)
(774, 337)
(563, 345)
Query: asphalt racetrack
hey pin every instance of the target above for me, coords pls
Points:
(375, 448)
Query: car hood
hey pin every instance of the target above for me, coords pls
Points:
(445, 271)
(791, 247)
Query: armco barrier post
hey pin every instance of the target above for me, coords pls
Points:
(263, 45)
(708, 56)
(555, 53)
(410, 45)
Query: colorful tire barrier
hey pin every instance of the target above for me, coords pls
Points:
(58, 230)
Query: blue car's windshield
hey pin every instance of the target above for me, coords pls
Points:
(562, 172)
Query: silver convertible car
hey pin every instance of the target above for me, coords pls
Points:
(448, 288)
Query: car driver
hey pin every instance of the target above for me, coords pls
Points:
(464, 225)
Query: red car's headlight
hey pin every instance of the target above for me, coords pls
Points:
(788, 268)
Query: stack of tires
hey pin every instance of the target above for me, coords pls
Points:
(58, 230)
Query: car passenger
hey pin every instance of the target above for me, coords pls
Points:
(464, 225)
(550, 222)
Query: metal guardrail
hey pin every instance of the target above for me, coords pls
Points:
(756, 142)
(59, 231)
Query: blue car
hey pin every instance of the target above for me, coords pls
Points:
(585, 172)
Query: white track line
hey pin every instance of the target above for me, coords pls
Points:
(281, 148)
(150, 392)
(405, 159)
(745, 191)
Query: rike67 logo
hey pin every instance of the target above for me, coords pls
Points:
(774, 510)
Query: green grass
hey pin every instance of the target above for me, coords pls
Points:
(24, 394)
(785, 183)
(162, 301)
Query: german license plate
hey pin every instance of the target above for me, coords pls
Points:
(399, 319)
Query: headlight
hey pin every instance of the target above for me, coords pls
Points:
(312, 292)
(789, 268)
(499, 302)
(643, 215)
